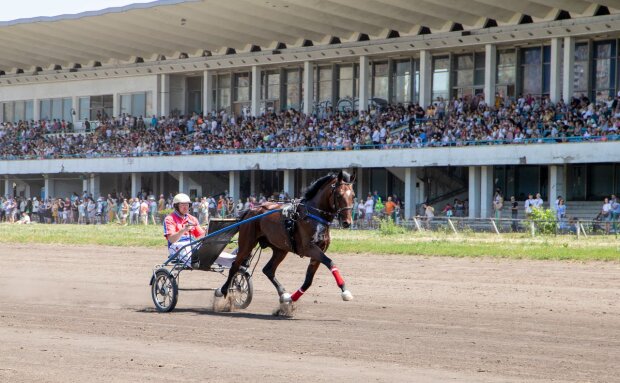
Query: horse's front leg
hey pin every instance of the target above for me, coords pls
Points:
(318, 257)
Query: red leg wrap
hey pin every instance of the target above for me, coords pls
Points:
(336, 274)
(297, 294)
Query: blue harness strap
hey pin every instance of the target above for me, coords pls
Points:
(318, 219)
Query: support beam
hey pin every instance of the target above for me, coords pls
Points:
(136, 184)
(359, 184)
(490, 67)
(36, 109)
(255, 96)
(410, 198)
(116, 105)
(85, 185)
(556, 184)
(75, 110)
(304, 179)
(568, 85)
(474, 192)
(426, 76)
(364, 92)
(486, 191)
(183, 183)
(95, 185)
(161, 184)
(253, 182)
(164, 95)
(289, 182)
(49, 187)
(555, 86)
(234, 185)
(7, 187)
(308, 87)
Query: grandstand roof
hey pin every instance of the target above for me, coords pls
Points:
(194, 28)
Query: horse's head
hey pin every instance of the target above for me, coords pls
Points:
(343, 198)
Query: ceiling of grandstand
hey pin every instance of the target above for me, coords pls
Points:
(189, 28)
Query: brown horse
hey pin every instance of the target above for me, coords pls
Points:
(327, 198)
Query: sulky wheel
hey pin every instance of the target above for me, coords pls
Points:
(241, 289)
(164, 291)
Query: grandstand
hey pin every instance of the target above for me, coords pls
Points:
(206, 96)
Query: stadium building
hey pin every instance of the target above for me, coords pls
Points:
(247, 57)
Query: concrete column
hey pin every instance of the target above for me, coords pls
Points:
(164, 95)
(36, 109)
(426, 77)
(116, 105)
(136, 184)
(255, 96)
(490, 67)
(95, 185)
(161, 185)
(183, 183)
(556, 184)
(359, 185)
(304, 179)
(308, 87)
(289, 182)
(253, 182)
(568, 85)
(49, 187)
(410, 197)
(486, 191)
(364, 93)
(85, 186)
(7, 187)
(474, 192)
(154, 184)
(234, 184)
(555, 86)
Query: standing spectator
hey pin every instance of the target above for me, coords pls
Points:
(195, 207)
(498, 203)
(369, 209)
(560, 213)
(390, 208)
(35, 209)
(124, 211)
(134, 212)
(615, 211)
(203, 211)
(429, 213)
(152, 210)
(514, 212)
(528, 205)
(538, 202)
(144, 212)
(606, 214)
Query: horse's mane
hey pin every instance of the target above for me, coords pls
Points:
(318, 184)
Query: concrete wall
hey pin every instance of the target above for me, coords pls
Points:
(463, 156)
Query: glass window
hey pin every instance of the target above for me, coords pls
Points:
(84, 108)
(531, 63)
(506, 67)
(325, 84)
(599, 180)
(66, 109)
(242, 87)
(45, 109)
(224, 91)
(441, 77)
(139, 104)
(29, 110)
(604, 69)
(380, 80)
(126, 103)
(416, 80)
(20, 111)
(273, 85)
(402, 81)
(345, 81)
(293, 89)
(580, 70)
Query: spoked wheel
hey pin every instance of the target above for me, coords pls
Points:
(164, 291)
(241, 289)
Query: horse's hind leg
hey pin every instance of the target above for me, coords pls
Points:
(318, 257)
(244, 252)
(312, 268)
(270, 270)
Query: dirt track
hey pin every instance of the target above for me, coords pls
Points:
(84, 314)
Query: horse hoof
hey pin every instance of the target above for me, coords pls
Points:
(347, 296)
(218, 293)
(286, 298)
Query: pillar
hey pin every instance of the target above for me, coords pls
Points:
(569, 70)
(308, 87)
(255, 96)
(116, 105)
(426, 76)
(304, 179)
(253, 182)
(183, 183)
(490, 65)
(161, 184)
(234, 184)
(75, 112)
(556, 184)
(289, 182)
(49, 186)
(95, 185)
(164, 95)
(136, 184)
(486, 191)
(474, 192)
(364, 93)
(410, 197)
(7, 187)
(85, 184)
(36, 109)
(555, 85)
(359, 184)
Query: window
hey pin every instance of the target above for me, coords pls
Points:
(402, 81)
(325, 84)
(100, 106)
(580, 71)
(223, 92)
(133, 104)
(345, 81)
(293, 88)
(84, 108)
(468, 74)
(506, 73)
(531, 67)
(380, 80)
(56, 109)
(441, 77)
(242, 87)
(604, 70)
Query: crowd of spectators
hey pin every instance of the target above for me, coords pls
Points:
(444, 123)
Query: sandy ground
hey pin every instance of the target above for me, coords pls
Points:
(84, 314)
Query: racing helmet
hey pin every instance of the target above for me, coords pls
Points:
(181, 198)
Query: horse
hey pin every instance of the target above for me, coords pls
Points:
(329, 197)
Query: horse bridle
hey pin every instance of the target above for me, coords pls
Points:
(338, 211)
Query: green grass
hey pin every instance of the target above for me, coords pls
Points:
(602, 248)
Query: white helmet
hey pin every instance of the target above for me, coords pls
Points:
(181, 198)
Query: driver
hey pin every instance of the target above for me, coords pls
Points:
(180, 227)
